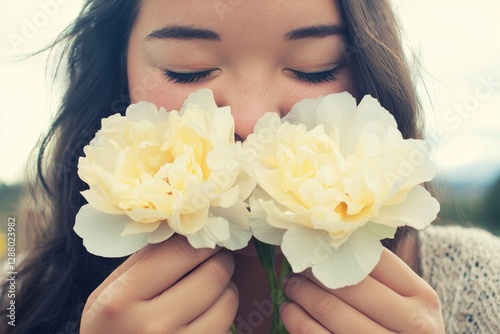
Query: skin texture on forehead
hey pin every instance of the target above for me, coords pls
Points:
(254, 19)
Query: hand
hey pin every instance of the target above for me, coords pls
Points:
(166, 288)
(392, 299)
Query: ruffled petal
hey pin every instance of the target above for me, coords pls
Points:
(305, 247)
(380, 232)
(228, 198)
(337, 113)
(246, 184)
(277, 216)
(142, 111)
(99, 202)
(301, 113)
(418, 210)
(189, 223)
(137, 228)
(349, 264)
(202, 98)
(261, 229)
(370, 107)
(215, 230)
(239, 228)
(223, 124)
(345, 121)
(162, 233)
(146, 215)
(101, 233)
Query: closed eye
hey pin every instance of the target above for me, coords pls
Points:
(187, 77)
(316, 77)
(310, 77)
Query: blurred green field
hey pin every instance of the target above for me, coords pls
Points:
(10, 196)
(469, 204)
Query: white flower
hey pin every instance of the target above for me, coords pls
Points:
(152, 174)
(333, 180)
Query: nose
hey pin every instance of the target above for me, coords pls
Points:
(250, 100)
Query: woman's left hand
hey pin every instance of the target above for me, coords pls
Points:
(392, 299)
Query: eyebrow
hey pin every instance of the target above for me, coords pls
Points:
(318, 31)
(183, 33)
(189, 33)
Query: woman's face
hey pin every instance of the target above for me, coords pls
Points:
(256, 56)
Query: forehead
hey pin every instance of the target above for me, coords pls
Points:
(238, 17)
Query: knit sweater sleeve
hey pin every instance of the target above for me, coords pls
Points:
(463, 266)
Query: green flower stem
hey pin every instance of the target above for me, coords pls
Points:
(271, 276)
(233, 329)
(266, 254)
(285, 270)
(267, 259)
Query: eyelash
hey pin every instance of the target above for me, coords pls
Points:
(316, 77)
(312, 78)
(186, 78)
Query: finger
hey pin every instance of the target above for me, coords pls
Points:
(296, 320)
(373, 299)
(219, 317)
(394, 273)
(198, 291)
(162, 267)
(126, 265)
(331, 311)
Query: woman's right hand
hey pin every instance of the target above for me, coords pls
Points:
(166, 288)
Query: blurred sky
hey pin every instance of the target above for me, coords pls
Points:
(456, 42)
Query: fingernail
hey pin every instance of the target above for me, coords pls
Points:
(291, 282)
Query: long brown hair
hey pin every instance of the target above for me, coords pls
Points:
(58, 275)
(378, 62)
